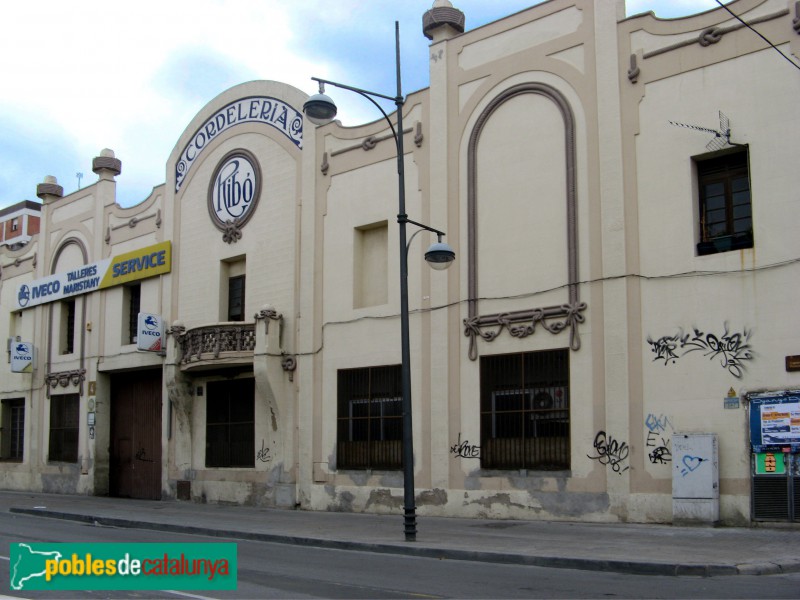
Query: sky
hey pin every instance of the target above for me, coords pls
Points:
(82, 76)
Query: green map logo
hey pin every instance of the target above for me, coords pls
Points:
(122, 566)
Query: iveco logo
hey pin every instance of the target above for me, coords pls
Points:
(24, 295)
(234, 190)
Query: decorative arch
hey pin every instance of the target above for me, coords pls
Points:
(523, 323)
(62, 246)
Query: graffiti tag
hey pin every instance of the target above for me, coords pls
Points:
(263, 454)
(730, 348)
(658, 425)
(465, 449)
(141, 455)
(610, 452)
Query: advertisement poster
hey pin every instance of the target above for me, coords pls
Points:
(775, 422)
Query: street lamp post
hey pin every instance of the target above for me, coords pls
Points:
(320, 110)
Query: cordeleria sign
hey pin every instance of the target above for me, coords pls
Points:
(257, 109)
(131, 266)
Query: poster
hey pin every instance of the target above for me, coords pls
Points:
(775, 422)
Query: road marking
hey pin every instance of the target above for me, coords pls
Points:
(185, 595)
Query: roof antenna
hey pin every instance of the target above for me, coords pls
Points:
(722, 136)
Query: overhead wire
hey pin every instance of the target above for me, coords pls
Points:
(738, 18)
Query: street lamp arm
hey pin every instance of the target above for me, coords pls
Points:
(405, 219)
(369, 96)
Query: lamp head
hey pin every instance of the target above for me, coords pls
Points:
(440, 255)
(319, 108)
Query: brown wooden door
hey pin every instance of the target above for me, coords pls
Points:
(135, 461)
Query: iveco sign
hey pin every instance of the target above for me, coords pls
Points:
(123, 268)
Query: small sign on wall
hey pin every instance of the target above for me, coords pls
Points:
(150, 333)
(23, 357)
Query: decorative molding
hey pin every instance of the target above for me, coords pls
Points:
(634, 71)
(232, 231)
(266, 314)
(18, 261)
(796, 20)
(176, 330)
(571, 312)
(325, 164)
(289, 364)
(712, 35)
(64, 379)
(418, 137)
(133, 222)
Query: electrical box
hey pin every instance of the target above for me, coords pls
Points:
(695, 478)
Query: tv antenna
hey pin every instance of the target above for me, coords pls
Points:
(722, 136)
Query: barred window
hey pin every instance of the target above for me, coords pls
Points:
(13, 429)
(133, 294)
(64, 425)
(230, 423)
(525, 417)
(370, 418)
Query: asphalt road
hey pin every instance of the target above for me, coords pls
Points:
(285, 571)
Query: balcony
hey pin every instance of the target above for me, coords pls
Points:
(223, 345)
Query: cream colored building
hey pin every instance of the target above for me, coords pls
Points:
(624, 281)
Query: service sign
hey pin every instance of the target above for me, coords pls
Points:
(23, 357)
(150, 333)
(109, 272)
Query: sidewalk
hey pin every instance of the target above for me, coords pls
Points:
(642, 549)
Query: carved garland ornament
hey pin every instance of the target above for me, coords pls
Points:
(523, 323)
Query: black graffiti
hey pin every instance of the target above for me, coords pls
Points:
(465, 449)
(661, 454)
(730, 348)
(141, 455)
(610, 452)
(263, 454)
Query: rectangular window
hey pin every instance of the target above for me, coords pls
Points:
(726, 221)
(230, 423)
(236, 298)
(370, 418)
(525, 416)
(68, 326)
(13, 429)
(134, 298)
(64, 424)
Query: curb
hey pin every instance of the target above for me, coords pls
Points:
(582, 564)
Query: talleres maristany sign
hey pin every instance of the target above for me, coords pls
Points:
(116, 270)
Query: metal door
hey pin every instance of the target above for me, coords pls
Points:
(135, 461)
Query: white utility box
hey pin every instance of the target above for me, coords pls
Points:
(695, 479)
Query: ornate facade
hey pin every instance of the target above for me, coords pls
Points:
(619, 194)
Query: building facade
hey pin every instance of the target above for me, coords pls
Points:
(19, 223)
(621, 199)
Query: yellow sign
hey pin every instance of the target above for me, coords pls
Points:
(139, 264)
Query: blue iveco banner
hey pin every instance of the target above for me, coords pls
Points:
(775, 422)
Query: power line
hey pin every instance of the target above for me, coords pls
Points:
(738, 18)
